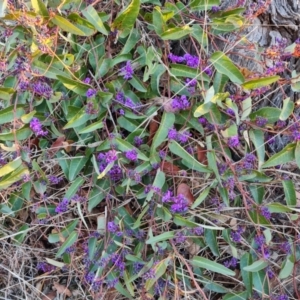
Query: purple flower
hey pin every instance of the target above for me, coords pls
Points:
(281, 124)
(236, 236)
(167, 197)
(90, 93)
(260, 121)
(87, 80)
(265, 212)
(183, 137)
(269, 272)
(162, 154)
(215, 9)
(131, 155)
(89, 109)
(112, 227)
(172, 133)
(233, 141)
(112, 283)
(198, 230)
(127, 71)
(191, 82)
(137, 267)
(115, 173)
(191, 60)
(230, 112)
(259, 240)
(175, 59)
(150, 274)
(285, 247)
(42, 266)
(111, 156)
(180, 205)
(36, 127)
(41, 88)
(180, 103)
(137, 141)
(180, 237)
(208, 71)
(54, 179)
(62, 206)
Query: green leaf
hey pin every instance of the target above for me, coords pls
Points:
(270, 113)
(137, 84)
(127, 18)
(176, 33)
(210, 265)
(40, 8)
(98, 193)
(68, 243)
(201, 198)
(79, 119)
(237, 296)
(92, 16)
(65, 25)
(203, 4)
(257, 193)
(159, 181)
(19, 238)
(161, 237)
(20, 134)
(199, 35)
(126, 146)
(260, 282)
(73, 85)
(257, 138)
(225, 66)
(220, 81)
(177, 70)
(8, 114)
(287, 267)
(211, 240)
(245, 261)
(246, 108)
(28, 117)
(278, 208)
(6, 93)
(160, 270)
(55, 237)
(181, 221)
(82, 24)
(256, 266)
(76, 164)
(92, 127)
(289, 192)
(297, 154)
(49, 71)
(13, 177)
(10, 167)
(187, 159)
(287, 109)
(258, 83)
(287, 154)
(72, 190)
(167, 122)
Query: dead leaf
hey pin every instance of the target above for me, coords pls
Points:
(153, 126)
(49, 296)
(62, 289)
(56, 146)
(169, 168)
(202, 155)
(192, 247)
(185, 190)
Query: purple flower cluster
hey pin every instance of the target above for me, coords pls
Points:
(231, 262)
(180, 237)
(42, 88)
(295, 131)
(281, 297)
(127, 71)
(180, 103)
(91, 93)
(236, 235)
(197, 231)
(233, 141)
(278, 67)
(138, 141)
(112, 227)
(115, 173)
(36, 126)
(54, 179)
(179, 203)
(262, 247)
(126, 101)
(181, 137)
(215, 9)
(62, 206)
(90, 109)
(42, 266)
(131, 155)
(203, 121)
(190, 60)
(150, 274)
(265, 212)
(78, 198)
(260, 121)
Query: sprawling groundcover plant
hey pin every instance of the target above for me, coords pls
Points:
(137, 159)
